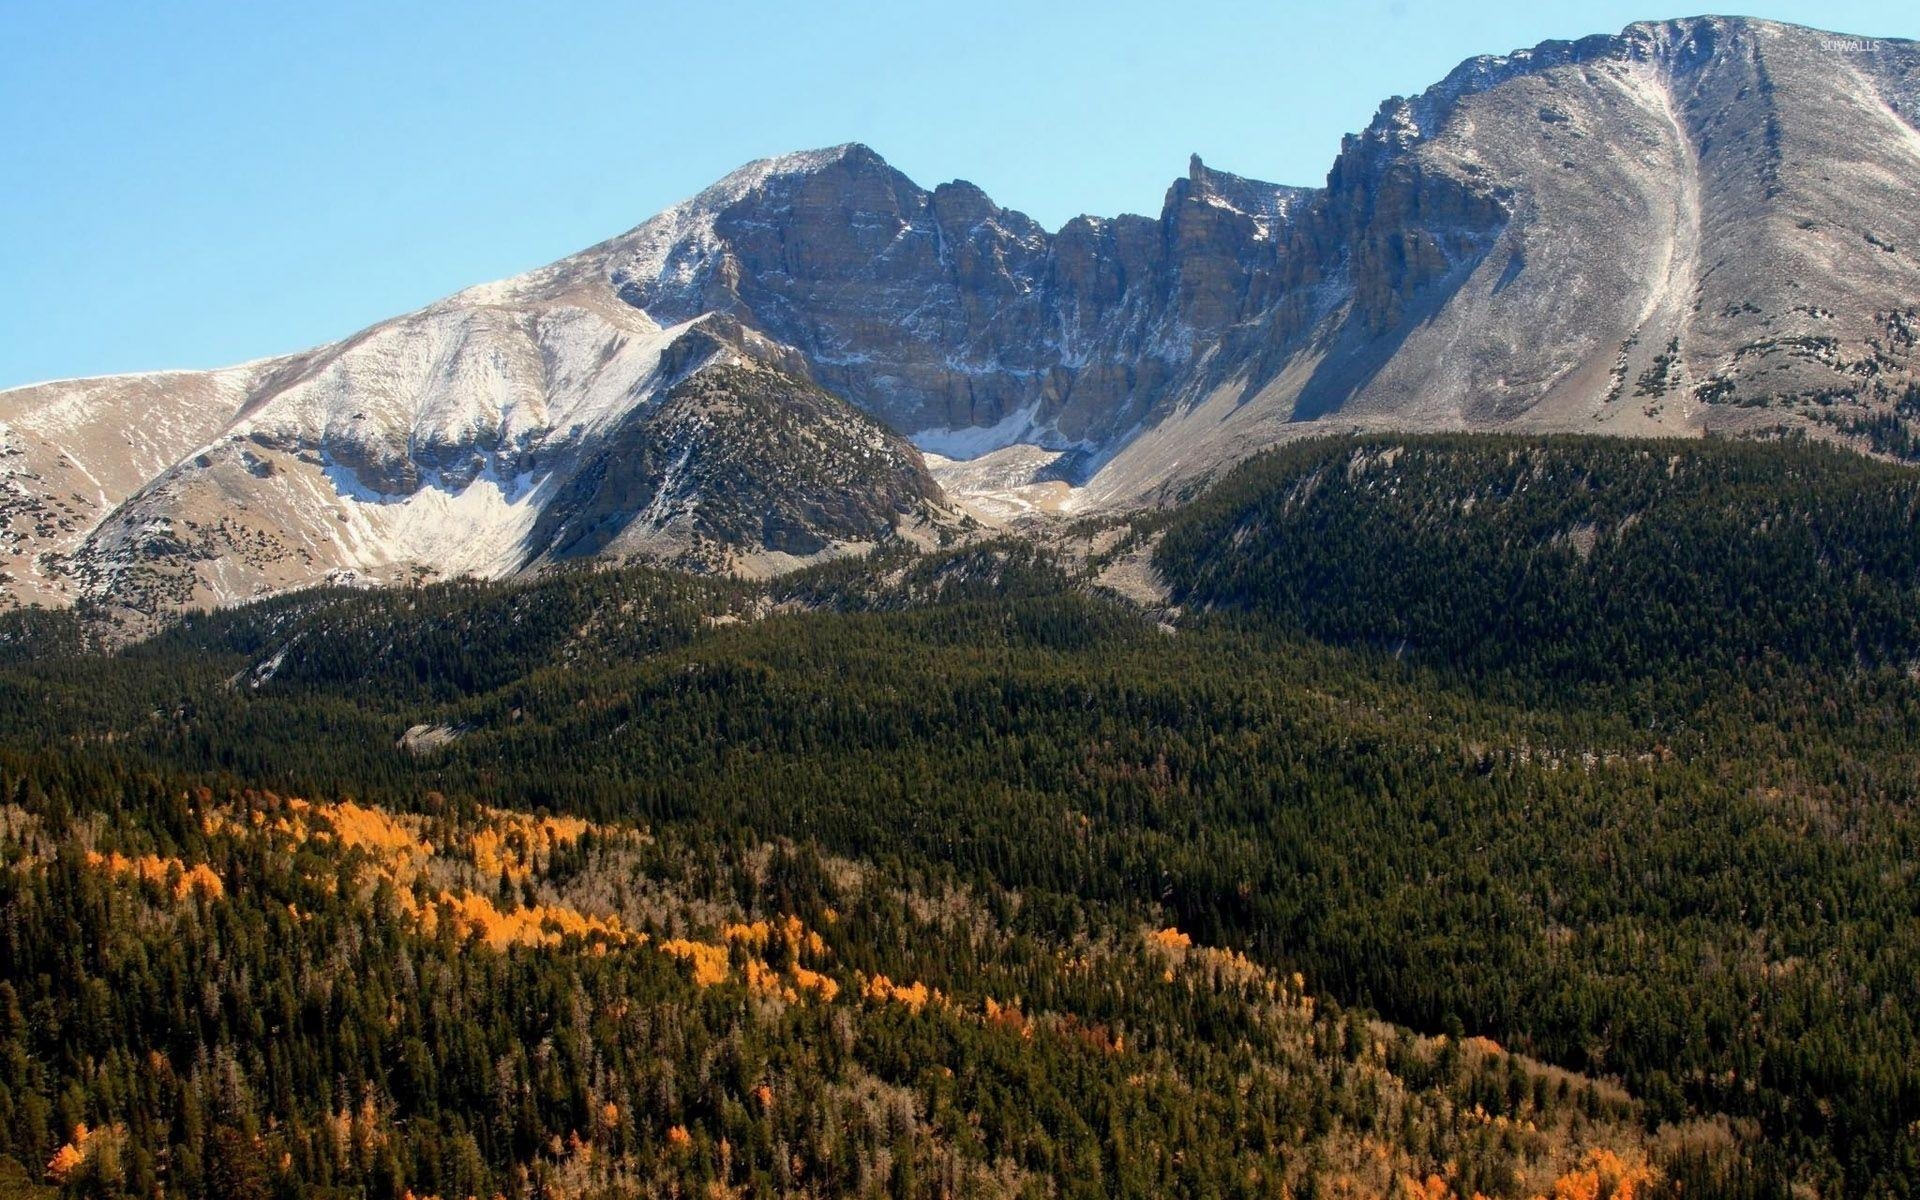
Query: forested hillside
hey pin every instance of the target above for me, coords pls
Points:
(257, 995)
(1601, 754)
(1571, 559)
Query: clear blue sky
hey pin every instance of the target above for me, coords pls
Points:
(188, 184)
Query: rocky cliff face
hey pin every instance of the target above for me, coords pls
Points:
(1692, 226)
(938, 310)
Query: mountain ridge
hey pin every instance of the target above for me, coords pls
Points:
(1692, 226)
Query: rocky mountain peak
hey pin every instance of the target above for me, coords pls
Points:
(1266, 203)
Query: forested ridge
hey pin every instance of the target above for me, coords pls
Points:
(1602, 751)
(1566, 559)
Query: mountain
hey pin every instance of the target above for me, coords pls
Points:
(1694, 226)
(477, 441)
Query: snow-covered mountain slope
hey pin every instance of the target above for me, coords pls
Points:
(486, 441)
(415, 444)
(73, 450)
(452, 441)
(1693, 226)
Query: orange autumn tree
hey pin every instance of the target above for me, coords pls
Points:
(1605, 1175)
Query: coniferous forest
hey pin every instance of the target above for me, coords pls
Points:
(1465, 816)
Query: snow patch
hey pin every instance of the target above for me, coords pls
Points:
(973, 441)
(480, 529)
